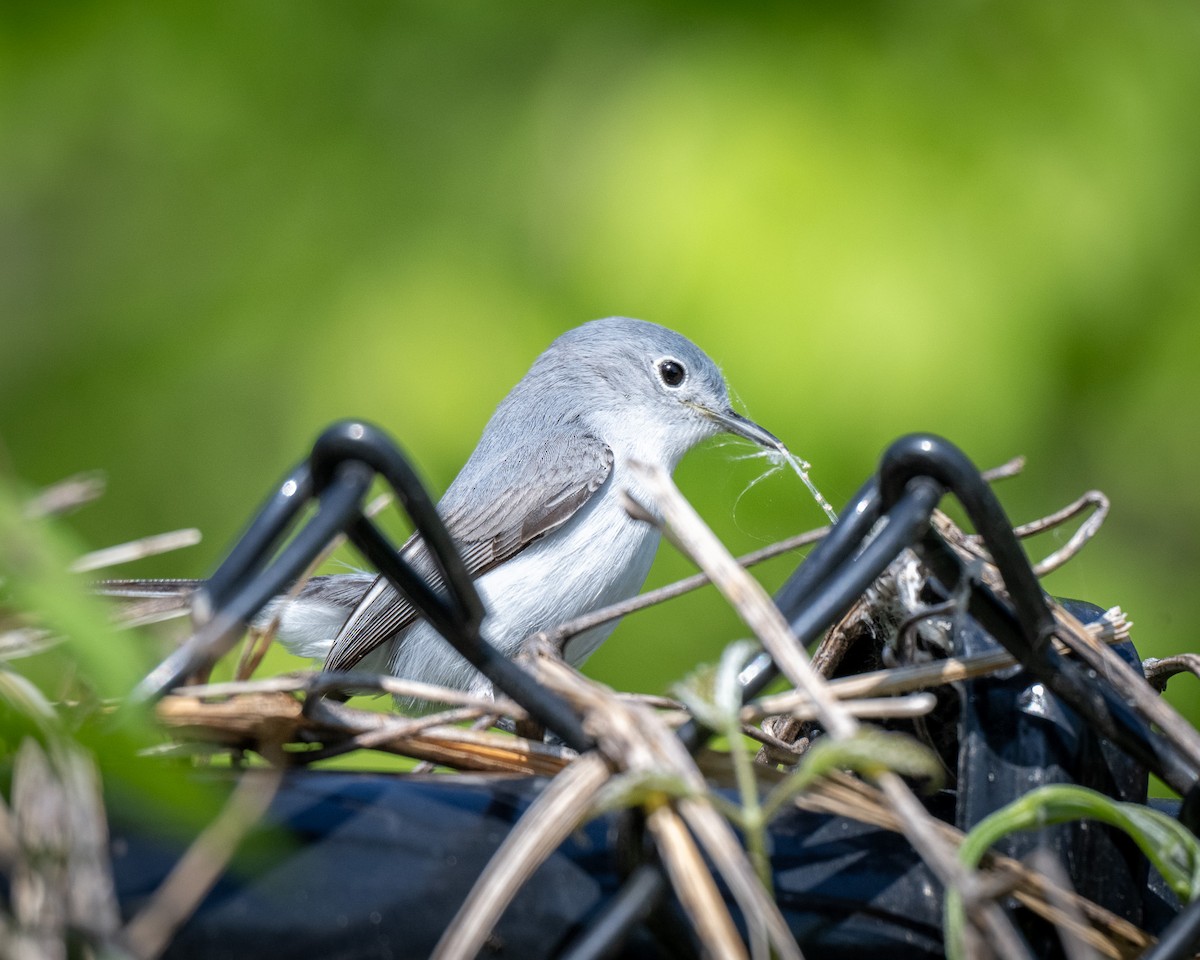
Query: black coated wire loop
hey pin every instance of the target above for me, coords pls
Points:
(459, 610)
(247, 580)
(1026, 626)
(338, 474)
(924, 455)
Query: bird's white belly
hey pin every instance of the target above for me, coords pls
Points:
(597, 558)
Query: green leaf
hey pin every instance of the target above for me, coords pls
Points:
(35, 557)
(636, 789)
(869, 752)
(1174, 851)
(34, 568)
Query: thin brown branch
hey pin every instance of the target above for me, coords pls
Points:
(253, 719)
(1004, 471)
(1094, 500)
(1144, 699)
(1088, 529)
(560, 634)
(1159, 671)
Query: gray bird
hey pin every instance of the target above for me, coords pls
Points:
(537, 511)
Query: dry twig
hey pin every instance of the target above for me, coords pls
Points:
(883, 683)
(65, 496)
(564, 632)
(547, 822)
(136, 550)
(1133, 686)
(1158, 672)
(1093, 499)
(253, 720)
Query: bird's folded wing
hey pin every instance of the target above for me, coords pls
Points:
(491, 518)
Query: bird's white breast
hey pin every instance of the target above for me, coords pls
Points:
(600, 556)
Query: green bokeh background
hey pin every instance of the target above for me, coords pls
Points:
(224, 225)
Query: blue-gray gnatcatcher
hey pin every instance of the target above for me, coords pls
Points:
(537, 511)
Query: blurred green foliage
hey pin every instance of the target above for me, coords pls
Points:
(64, 696)
(223, 225)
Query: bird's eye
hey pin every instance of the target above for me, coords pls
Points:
(671, 372)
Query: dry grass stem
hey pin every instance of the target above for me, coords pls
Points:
(896, 680)
(251, 720)
(1006, 470)
(1133, 686)
(903, 707)
(136, 550)
(1093, 499)
(756, 903)
(25, 642)
(639, 743)
(693, 884)
(1067, 917)
(1090, 527)
(352, 681)
(546, 824)
(690, 534)
(65, 496)
(386, 734)
(1158, 672)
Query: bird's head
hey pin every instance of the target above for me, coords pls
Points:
(642, 387)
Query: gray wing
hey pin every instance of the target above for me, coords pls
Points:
(492, 515)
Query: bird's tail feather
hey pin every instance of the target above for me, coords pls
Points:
(143, 589)
(148, 601)
(307, 625)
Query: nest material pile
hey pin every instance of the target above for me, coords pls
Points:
(862, 772)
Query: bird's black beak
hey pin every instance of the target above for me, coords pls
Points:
(736, 424)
